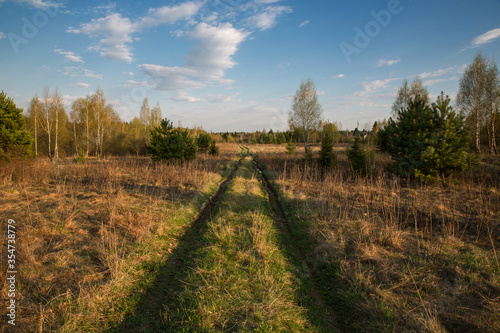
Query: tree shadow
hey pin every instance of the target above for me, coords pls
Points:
(161, 296)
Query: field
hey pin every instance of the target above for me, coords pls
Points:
(253, 240)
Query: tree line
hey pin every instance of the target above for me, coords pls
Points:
(94, 128)
(426, 140)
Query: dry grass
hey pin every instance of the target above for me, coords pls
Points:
(423, 258)
(77, 224)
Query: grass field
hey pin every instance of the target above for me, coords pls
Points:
(124, 245)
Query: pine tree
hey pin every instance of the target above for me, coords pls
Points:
(213, 149)
(327, 157)
(290, 147)
(427, 142)
(13, 137)
(169, 143)
(358, 157)
(203, 141)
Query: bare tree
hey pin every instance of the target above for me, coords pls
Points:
(47, 118)
(34, 114)
(155, 115)
(475, 92)
(405, 93)
(102, 114)
(306, 113)
(58, 110)
(491, 107)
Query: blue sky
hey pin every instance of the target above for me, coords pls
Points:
(234, 65)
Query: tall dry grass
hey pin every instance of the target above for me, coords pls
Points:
(424, 257)
(77, 223)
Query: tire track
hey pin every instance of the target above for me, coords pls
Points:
(296, 249)
(150, 313)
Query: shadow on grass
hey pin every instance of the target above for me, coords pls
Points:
(155, 304)
(333, 303)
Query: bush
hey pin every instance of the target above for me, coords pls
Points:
(80, 159)
(169, 143)
(327, 157)
(213, 149)
(427, 142)
(358, 157)
(290, 148)
(203, 141)
(309, 156)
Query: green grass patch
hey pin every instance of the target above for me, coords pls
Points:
(242, 282)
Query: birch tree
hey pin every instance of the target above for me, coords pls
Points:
(475, 93)
(58, 110)
(306, 113)
(46, 119)
(406, 92)
(155, 115)
(34, 116)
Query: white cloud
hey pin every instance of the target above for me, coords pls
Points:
(69, 56)
(166, 14)
(435, 81)
(267, 2)
(385, 62)
(284, 64)
(104, 8)
(132, 84)
(182, 96)
(268, 17)
(80, 71)
(2, 35)
(205, 63)
(38, 3)
(68, 100)
(338, 76)
(443, 71)
(128, 73)
(487, 37)
(115, 31)
(83, 85)
(372, 86)
(303, 24)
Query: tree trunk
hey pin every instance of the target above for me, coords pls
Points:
(56, 148)
(478, 143)
(87, 125)
(493, 137)
(305, 138)
(47, 111)
(36, 135)
(76, 142)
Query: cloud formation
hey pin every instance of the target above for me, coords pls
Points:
(115, 31)
(303, 24)
(268, 18)
(486, 38)
(205, 63)
(388, 63)
(69, 56)
(37, 3)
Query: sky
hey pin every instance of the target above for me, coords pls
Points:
(235, 65)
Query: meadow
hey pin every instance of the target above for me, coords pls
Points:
(125, 244)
